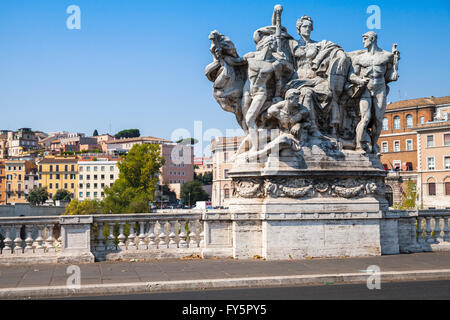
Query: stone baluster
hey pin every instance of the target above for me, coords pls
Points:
(50, 240)
(428, 230)
(151, 235)
(420, 238)
(437, 230)
(162, 236)
(182, 235)
(172, 235)
(39, 240)
(29, 239)
(18, 240)
(446, 230)
(7, 249)
(121, 237)
(131, 238)
(111, 245)
(101, 238)
(192, 234)
(201, 240)
(142, 245)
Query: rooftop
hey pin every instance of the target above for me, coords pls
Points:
(137, 139)
(418, 102)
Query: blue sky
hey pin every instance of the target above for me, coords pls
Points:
(140, 64)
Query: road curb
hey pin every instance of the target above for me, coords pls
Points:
(166, 286)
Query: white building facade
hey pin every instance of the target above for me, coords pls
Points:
(94, 176)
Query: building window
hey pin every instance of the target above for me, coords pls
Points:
(65, 185)
(88, 194)
(95, 177)
(396, 146)
(447, 139)
(56, 185)
(226, 192)
(95, 194)
(103, 168)
(225, 173)
(50, 186)
(385, 124)
(430, 163)
(88, 168)
(102, 177)
(81, 186)
(447, 162)
(447, 188)
(430, 141)
(72, 167)
(397, 122)
(51, 168)
(422, 120)
(72, 185)
(431, 188)
(66, 167)
(95, 186)
(409, 121)
(384, 147)
(409, 145)
(81, 177)
(95, 168)
(57, 167)
(88, 185)
(103, 185)
(81, 169)
(111, 176)
(88, 177)
(111, 168)
(57, 176)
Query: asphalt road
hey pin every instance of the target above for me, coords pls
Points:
(411, 290)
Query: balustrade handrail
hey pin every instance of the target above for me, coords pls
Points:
(29, 220)
(146, 217)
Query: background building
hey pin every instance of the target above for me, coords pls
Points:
(94, 176)
(399, 140)
(434, 165)
(59, 172)
(21, 178)
(22, 142)
(2, 182)
(223, 149)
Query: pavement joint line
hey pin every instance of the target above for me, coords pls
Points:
(202, 284)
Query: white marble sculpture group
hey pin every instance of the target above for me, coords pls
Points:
(313, 93)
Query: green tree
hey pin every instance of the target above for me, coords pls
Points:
(137, 182)
(409, 196)
(76, 207)
(128, 133)
(192, 191)
(62, 195)
(188, 141)
(204, 178)
(95, 134)
(37, 196)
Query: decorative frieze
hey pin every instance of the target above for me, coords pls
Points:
(295, 187)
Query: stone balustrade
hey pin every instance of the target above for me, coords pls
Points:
(180, 234)
(433, 231)
(30, 236)
(148, 235)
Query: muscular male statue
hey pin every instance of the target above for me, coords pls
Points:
(372, 70)
(292, 116)
(263, 65)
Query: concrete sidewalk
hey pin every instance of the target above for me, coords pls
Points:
(103, 278)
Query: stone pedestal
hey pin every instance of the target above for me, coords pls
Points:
(76, 239)
(319, 206)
